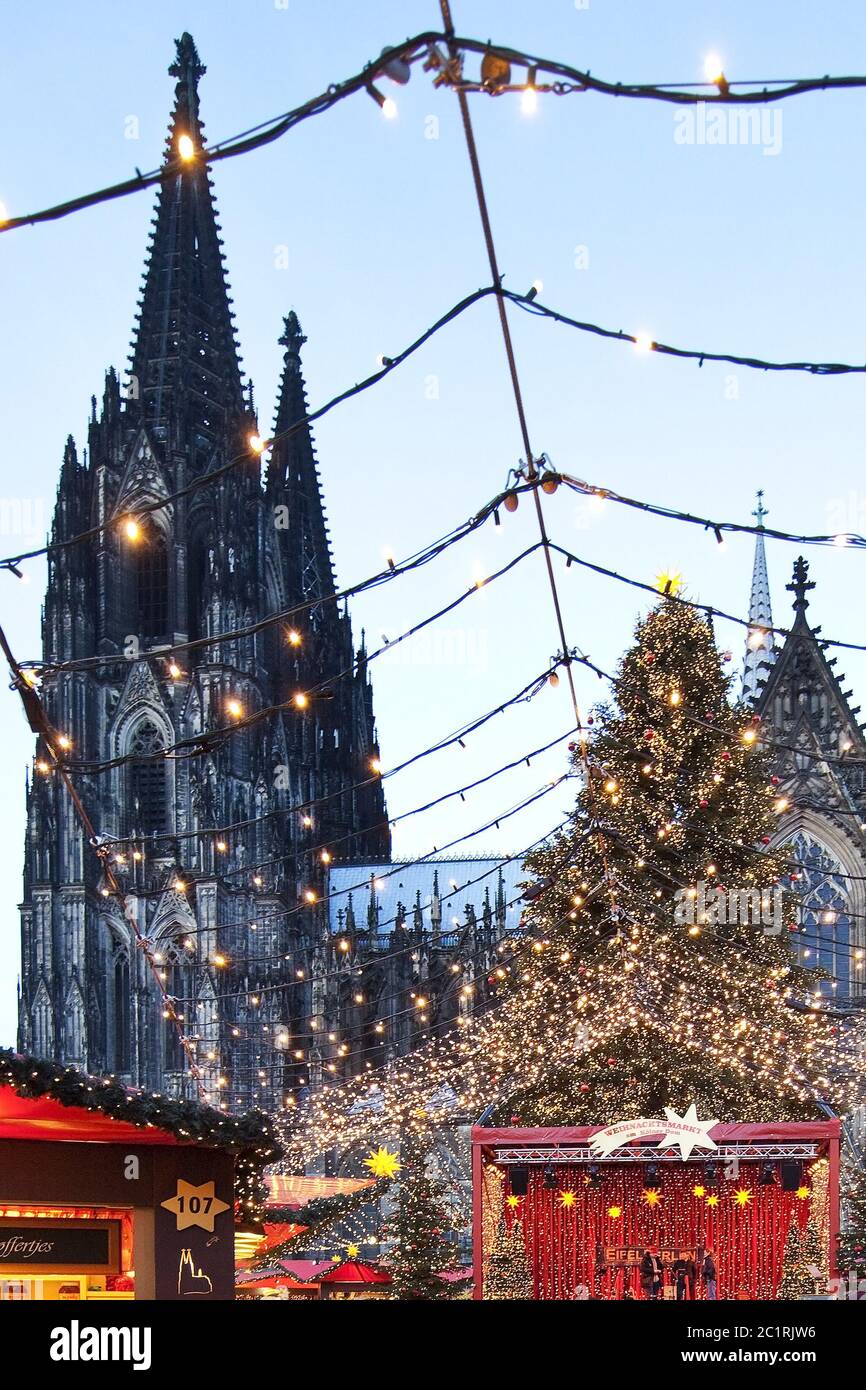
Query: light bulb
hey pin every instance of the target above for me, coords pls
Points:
(643, 342)
(132, 529)
(529, 101)
(185, 147)
(235, 708)
(713, 67)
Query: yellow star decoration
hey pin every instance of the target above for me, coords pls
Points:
(195, 1206)
(382, 1164)
(713, 1200)
(669, 582)
(566, 1199)
(614, 1212)
(699, 1191)
(651, 1197)
(513, 1201)
(742, 1197)
(352, 1251)
(335, 1259)
(803, 1193)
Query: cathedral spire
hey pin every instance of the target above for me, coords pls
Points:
(293, 479)
(185, 371)
(760, 650)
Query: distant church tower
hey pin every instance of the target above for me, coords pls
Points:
(233, 939)
(821, 760)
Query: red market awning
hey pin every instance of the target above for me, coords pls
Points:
(305, 1270)
(292, 1190)
(355, 1272)
(24, 1118)
(265, 1279)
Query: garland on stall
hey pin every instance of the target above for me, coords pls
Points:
(316, 1217)
(249, 1137)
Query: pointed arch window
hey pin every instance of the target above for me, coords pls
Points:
(150, 584)
(122, 1012)
(824, 935)
(43, 1024)
(177, 985)
(147, 776)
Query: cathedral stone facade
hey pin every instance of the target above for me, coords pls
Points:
(820, 759)
(219, 838)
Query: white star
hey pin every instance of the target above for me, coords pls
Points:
(688, 1131)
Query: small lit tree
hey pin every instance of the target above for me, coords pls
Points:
(420, 1249)
(508, 1273)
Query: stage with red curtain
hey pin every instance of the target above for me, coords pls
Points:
(586, 1222)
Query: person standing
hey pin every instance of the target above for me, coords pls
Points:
(651, 1274)
(708, 1270)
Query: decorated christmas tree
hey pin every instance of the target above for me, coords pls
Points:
(661, 916)
(508, 1274)
(803, 1263)
(852, 1241)
(420, 1249)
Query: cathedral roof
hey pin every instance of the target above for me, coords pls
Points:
(822, 750)
(442, 888)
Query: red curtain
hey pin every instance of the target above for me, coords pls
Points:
(564, 1240)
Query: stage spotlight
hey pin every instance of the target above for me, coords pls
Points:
(768, 1175)
(594, 1175)
(519, 1180)
(711, 1175)
(652, 1179)
(550, 1177)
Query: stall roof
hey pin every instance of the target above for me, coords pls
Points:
(45, 1100)
(355, 1272)
(23, 1118)
(291, 1190)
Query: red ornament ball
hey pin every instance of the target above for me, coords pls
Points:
(584, 1086)
(775, 781)
(590, 719)
(765, 839)
(726, 757)
(649, 734)
(611, 1061)
(703, 801)
(572, 748)
(649, 658)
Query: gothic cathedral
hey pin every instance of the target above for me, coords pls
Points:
(216, 841)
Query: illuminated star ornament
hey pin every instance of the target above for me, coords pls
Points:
(687, 1132)
(352, 1251)
(651, 1197)
(382, 1163)
(699, 1191)
(669, 582)
(614, 1212)
(513, 1201)
(803, 1193)
(566, 1199)
(742, 1197)
(713, 1200)
(195, 1206)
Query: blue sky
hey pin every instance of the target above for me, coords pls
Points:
(753, 248)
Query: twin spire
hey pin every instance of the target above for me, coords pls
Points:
(185, 371)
